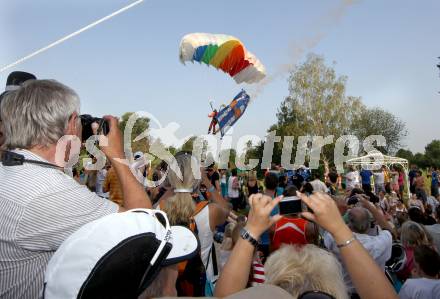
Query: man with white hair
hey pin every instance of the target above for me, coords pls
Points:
(378, 246)
(40, 206)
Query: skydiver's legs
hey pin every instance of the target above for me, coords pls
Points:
(212, 127)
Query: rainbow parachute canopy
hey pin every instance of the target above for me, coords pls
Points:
(223, 52)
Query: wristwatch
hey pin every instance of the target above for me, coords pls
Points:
(245, 235)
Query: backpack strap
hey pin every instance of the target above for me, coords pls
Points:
(214, 260)
(200, 206)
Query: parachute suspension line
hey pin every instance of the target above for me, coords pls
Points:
(69, 36)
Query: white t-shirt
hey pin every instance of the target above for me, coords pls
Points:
(100, 178)
(420, 288)
(383, 203)
(379, 178)
(232, 192)
(319, 186)
(434, 231)
(206, 237)
(432, 202)
(352, 179)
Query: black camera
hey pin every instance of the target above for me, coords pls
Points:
(290, 205)
(87, 120)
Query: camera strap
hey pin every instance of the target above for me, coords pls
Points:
(9, 158)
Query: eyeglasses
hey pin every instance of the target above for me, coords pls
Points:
(315, 295)
(162, 218)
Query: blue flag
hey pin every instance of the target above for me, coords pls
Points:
(231, 113)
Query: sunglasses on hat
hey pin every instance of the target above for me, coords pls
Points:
(315, 295)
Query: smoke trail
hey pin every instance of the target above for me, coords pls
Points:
(69, 36)
(297, 49)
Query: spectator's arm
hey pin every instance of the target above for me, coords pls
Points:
(217, 215)
(368, 278)
(271, 232)
(133, 192)
(235, 274)
(215, 193)
(217, 185)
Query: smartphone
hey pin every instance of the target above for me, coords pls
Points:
(290, 205)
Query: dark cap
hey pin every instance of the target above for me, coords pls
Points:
(15, 80)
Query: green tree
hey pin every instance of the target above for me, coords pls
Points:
(197, 146)
(317, 105)
(420, 160)
(405, 154)
(432, 153)
(140, 126)
(172, 150)
(188, 145)
(376, 121)
(227, 156)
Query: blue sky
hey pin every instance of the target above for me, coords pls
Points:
(388, 49)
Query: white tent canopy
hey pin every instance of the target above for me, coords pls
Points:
(375, 159)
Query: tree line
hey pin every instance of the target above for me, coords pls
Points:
(317, 105)
(431, 156)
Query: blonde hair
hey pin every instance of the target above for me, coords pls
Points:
(413, 234)
(307, 268)
(181, 207)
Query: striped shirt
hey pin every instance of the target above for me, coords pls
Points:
(258, 276)
(39, 208)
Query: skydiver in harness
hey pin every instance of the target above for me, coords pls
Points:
(214, 121)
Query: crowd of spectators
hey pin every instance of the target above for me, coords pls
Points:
(108, 233)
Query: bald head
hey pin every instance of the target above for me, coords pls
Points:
(359, 220)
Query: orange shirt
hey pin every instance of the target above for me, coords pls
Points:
(113, 186)
(289, 231)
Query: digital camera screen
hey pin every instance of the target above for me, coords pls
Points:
(290, 205)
